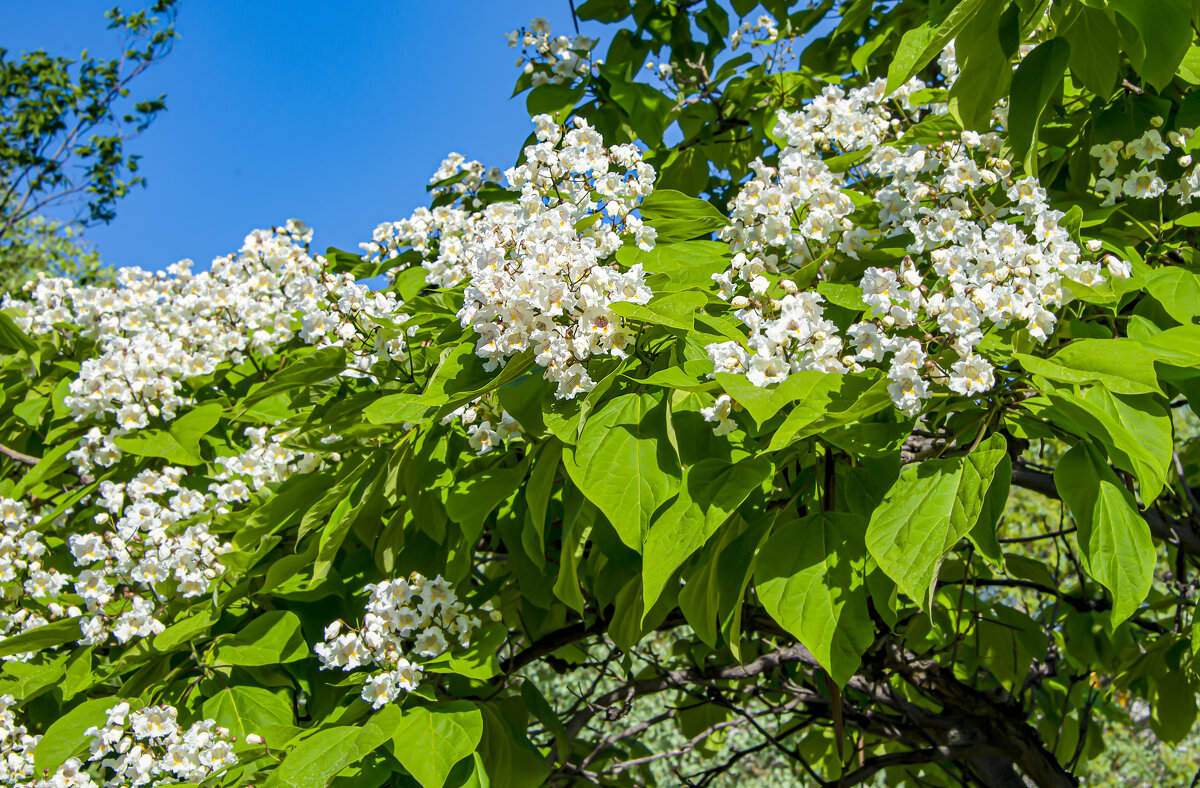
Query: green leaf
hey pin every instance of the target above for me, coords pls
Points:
(313, 760)
(245, 710)
(471, 500)
(1120, 365)
(511, 760)
(47, 636)
(1095, 49)
(711, 491)
(683, 264)
(624, 463)
(922, 44)
(551, 99)
(810, 577)
(180, 443)
(397, 409)
(1165, 27)
(1115, 542)
(429, 741)
(13, 338)
(65, 737)
(184, 630)
(678, 217)
(1135, 431)
(831, 401)
(674, 310)
(1033, 84)
(321, 364)
(930, 507)
(269, 639)
(984, 71)
(1177, 290)
(648, 109)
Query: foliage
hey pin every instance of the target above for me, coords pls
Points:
(828, 414)
(63, 132)
(41, 245)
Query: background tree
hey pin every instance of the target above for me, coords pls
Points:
(64, 125)
(827, 414)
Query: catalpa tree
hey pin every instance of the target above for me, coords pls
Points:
(827, 412)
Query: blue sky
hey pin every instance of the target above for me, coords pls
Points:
(294, 109)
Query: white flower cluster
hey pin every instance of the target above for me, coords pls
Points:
(147, 747)
(264, 461)
(487, 425)
(535, 281)
(405, 618)
(764, 24)
(537, 274)
(144, 747)
(444, 227)
(550, 59)
(25, 575)
(16, 748)
(156, 532)
(1145, 182)
(474, 176)
(159, 533)
(153, 331)
(973, 263)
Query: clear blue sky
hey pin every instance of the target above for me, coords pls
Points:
(334, 113)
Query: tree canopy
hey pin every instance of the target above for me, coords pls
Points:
(813, 392)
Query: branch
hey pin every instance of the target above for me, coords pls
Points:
(13, 454)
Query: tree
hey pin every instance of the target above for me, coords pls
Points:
(63, 132)
(830, 414)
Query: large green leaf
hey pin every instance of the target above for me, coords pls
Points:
(429, 741)
(180, 443)
(1135, 431)
(56, 633)
(822, 402)
(313, 760)
(245, 710)
(1095, 45)
(1165, 27)
(674, 310)
(1035, 81)
(624, 463)
(922, 44)
(930, 507)
(1114, 540)
(65, 736)
(984, 71)
(270, 639)
(678, 217)
(810, 577)
(712, 490)
(1120, 365)
(648, 109)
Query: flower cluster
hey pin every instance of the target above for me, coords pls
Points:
(549, 59)
(1121, 175)
(406, 619)
(148, 747)
(984, 250)
(25, 575)
(154, 331)
(537, 274)
(16, 748)
(763, 25)
(487, 425)
(439, 234)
